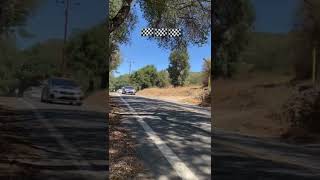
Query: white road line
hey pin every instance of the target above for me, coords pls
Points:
(58, 136)
(182, 170)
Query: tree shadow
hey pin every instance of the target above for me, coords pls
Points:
(178, 129)
(83, 134)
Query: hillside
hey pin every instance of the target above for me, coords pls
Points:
(189, 94)
(268, 52)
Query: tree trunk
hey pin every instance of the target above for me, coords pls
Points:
(91, 86)
(104, 80)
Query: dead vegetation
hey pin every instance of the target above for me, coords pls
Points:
(194, 94)
(302, 112)
(251, 105)
(122, 156)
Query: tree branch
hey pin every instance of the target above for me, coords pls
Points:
(121, 16)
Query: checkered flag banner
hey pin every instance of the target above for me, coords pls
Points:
(161, 32)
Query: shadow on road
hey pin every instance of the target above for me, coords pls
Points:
(75, 140)
(179, 129)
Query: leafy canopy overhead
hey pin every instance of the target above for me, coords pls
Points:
(193, 17)
(13, 13)
(233, 21)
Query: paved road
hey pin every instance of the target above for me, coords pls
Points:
(160, 126)
(69, 141)
(173, 140)
(245, 157)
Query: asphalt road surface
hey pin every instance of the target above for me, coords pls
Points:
(69, 141)
(173, 141)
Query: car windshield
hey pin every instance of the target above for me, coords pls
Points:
(129, 87)
(63, 82)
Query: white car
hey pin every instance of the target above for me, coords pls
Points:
(128, 90)
(61, 90)
(119, 91)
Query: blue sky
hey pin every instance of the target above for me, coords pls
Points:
(276, 16)
(48, 19)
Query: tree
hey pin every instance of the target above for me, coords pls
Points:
(193, 17)
(145, 77)
(206, 70)
(13, 13)
(233, 21)
(179, 66)
(307, 38)
(163, 79)
(86, 54)
(116, 83)
(119, 32)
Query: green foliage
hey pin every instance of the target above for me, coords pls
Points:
(145, 77)
(194, 78)
(192, 17)
(25, 68)
(87, 55)
(268, 52)
(179, 66)
(163, 79)
(13, 13)
(306, 38)
(120, 35)
(206, 72)
(115, 57)
(116, 83)
(233, 23)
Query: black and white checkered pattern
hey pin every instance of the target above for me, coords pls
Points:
(147, 32)
(161, 32)
(174, 32)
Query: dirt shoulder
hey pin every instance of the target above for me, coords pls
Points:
(123, 160)
(13, 148)
(188, 94)
(251, 106)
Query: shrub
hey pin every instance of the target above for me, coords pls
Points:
(302, 110)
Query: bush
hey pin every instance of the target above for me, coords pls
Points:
(302, 110)
(145, 77)
(206, 70)
(163, 79)
(206, 98)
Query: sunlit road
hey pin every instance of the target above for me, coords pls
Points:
(173, 141)
(69, 142)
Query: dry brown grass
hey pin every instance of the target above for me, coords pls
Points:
(251, 105)
(187, 94)
(98, 98)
